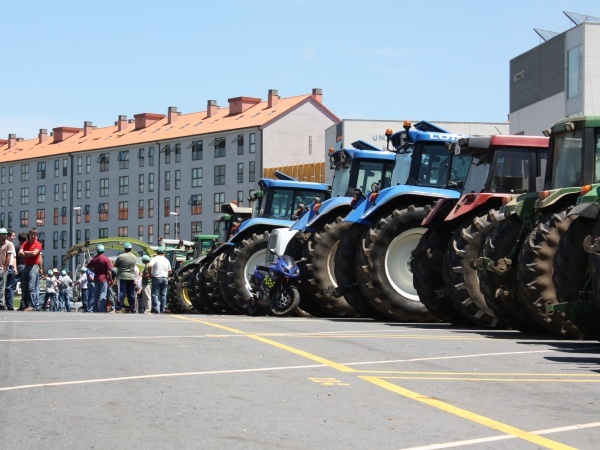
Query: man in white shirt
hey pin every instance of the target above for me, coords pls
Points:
(10, 272)
(5, 259)
(160, 269)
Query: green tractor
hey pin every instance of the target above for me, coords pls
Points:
(519, 253)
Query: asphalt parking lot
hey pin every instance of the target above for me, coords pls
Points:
(72, 380)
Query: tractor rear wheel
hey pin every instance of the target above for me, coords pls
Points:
(535, 273)
(461, 279)
(185, 288)
(383, 265)
(214, 294)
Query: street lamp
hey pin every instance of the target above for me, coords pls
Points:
(75, 209)
(176, 229)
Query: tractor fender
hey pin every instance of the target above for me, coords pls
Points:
(470, 202)
(590, 210)
(338, 206)
(257, 226)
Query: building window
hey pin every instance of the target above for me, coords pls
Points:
(55, 240)
(140, 232)
(219, 175)
(150, 208)
(252, 171)
(141, 183)
(41, 170)
(167, 230)
(24, 219)
(56, 168)
(123, 210)
(150, 156)
(3, 175)
(219, 200)
(167, 206)
(86, 234)
(78, 218)
(25, 196)
(63, 238)
(10, 197)
(86, 214)
(310, 145)
(167, 151)
(167, 180)
(240, 144)
(65, 167)
(574, 71)
(10, 174)
(141, 157)
(55, 216)
(196, 228)
(64, 189)
(178, 179)
(103, 187)
(63, 214)
(2, 219)
(123, 159)
(78, 236)
(56, 192)
(151, 182)
(197, 177)
(79, 165)
(196, 150)
(40, 216)
(2, 201)
(140, 209)
(102, 233)
(252, 143)
(79, 190)
(219, 145)
(240, 172)
(9, 220)
(88, 164)
(103, 212)
(177, 204)
(124, 185)
(177, 151)
(150, 234)
(196, 203)
(88, 188)
(240, 198)
(123, 231)
(41, 194)
(24, 172)
(103, 160)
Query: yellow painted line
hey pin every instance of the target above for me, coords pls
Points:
(506, 380)
(475, 374)
(490, 423)
(538, 440)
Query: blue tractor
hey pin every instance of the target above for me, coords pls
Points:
(372, 264)
(316, 234)
(226, 279)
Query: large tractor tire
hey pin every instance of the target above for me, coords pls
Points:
(461, 279)
(535, 273)
(499, 286)
(184, 292)
(239, 266)
(383, 265)
(594, 266)
(307, 306)
(345, 269)
(318, 275)
(427, 264)
(569, 282)
(210, 277)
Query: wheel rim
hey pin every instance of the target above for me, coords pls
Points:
(256, 259)
(185, 293)
(331, 263)
(397, 262)
(284, 300)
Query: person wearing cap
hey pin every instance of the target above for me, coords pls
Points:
(31, 251)
(5, 258)
(51, 285)
(101, 266)
(11, 273)
(160, 269)
(126, 274)
(64, 283)
(82, 281)
(146, 288)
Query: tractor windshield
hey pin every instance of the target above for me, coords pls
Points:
(478, 174)
(567, 158)
(284, 202)
(434, 168)
(361, 175)
(511, 172)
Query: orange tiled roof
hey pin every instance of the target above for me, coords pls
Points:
(190, 124)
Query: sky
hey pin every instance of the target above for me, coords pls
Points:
(67, 62)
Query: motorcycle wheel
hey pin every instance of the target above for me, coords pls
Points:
(286, 302)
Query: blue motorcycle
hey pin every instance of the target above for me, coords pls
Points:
(274, 288)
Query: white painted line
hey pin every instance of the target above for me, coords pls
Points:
(158, 375)
(504, 437)
(193, 336)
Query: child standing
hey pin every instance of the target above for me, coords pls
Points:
(64, 283)
(50, 280)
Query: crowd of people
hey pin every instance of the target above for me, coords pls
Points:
(105, 286)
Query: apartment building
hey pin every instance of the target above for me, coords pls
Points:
(156, 174)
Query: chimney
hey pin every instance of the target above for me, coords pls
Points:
(172, 115)
(43, 135)
(273, 98)
(122, 122)
(12, 140)
(62, 133)
(238, 105)
(318, 94)
(211, 108)
(144, 120)
(87, 128)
